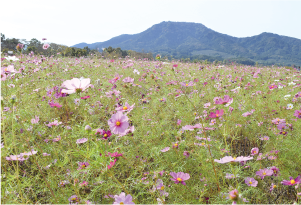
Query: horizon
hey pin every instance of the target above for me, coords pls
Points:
(92, 21)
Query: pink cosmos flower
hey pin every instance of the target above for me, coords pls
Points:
(54, 123)
(8, 69)
(233, 195)
(82, 165)
(179, 122)
(297, 113)
(128, 80)
(264, 172)
(271, 87)
(55, 105)
(58, 138)
(74, 199)
(112, 164)
(46, 46)
(122, 199)
(179, 177)
(187, 84)
(3, 76)
(125, 108)
(277, 121)
(264, 138)
(35, 120)
(254, 151)
(118, 123)
(85, 97)
(273, 186)
(231, 159)
(206, 105)
(81, 141)
(248, 113)
(217, 114)
(226, 101)
(275, 171)
(115, 154)
(75, 85)
(251, 182)
(192, 127)
(186, 154)
(165, 149)
(292, 181)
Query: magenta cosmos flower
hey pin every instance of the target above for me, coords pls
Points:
(118, 123)
(297, 113)
(251, 182)
(122, 199)
(254, 151)
(179, 177)
(75, 85)
(231, 159)
(217, 114)
(292, 181)
(226, 101)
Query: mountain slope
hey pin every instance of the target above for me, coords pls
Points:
(181, 39)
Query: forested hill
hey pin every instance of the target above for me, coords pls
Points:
(193, 40)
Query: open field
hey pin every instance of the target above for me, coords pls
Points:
(102, 131)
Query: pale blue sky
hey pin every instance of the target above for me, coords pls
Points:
(70, 22)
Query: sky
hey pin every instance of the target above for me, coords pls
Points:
(69, 22)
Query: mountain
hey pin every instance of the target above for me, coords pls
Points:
(193, 40)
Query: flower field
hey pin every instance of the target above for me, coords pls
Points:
(134, 131)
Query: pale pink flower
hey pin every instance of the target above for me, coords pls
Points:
(75, 85)
(118, 123)
(46, 46)
(126, 107)
(165, 149)
(35, 120)
(81, 141)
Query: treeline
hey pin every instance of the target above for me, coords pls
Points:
(36, 46)
(118, 53)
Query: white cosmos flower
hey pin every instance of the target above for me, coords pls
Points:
(286, 97)
(289, 106)
(291, 83)
(276, 80)
(280, 87)
(12, 58)
(136, 71)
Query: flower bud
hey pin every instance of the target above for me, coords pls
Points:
(88, 128)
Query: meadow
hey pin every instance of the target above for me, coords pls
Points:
(137, 131)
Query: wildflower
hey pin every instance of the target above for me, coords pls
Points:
(264, 172)
(128, 80)
(136, 71)
(46, 46)
(230, 176)
(231, 159)
(251, 182)
(54, 123)
(233, 195)
(264, 138)
(55, 105)
(165, 149)
(106, 134)
(297, 113)
(163, 100)
(179, 122)
(218, 113)
(226, 101)
(85, 97)
(11, 58)
(186, 154)
(63, 183)
(84, 183)
(275, 171)
(20, 46)
(289, 106)
(118, 123)
(76, 101)
(271, 87)
(82, 165)
(292, 181)
(125, 108)
(81, 141)
(115, 154)
(272, 187)
(73, 199)
(45, 154)
(76, 85)
(112, 164)
(254, 151)
(122, 199)
(179, 177)
(175, 145)
(87, 128)
(9, 69)
(187, 84)
(58, 138)
(35, 120)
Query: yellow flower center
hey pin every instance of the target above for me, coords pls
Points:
(117, 123)
(83, 165)
(73, 199)
(176, 145)
(186, 84)
(179, 179)
(105, 135)
(293, 181)
(250, 182)
(121, 203)
(125, 108)
(5, 69)
(263, 173)
(161, 99)
(162, 187)
(274, 186)
(234, 158)
(278, 120)
(203, 143)
(216, 115)
(283, 132)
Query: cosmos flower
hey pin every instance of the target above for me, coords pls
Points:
(254, 151)
(74, 199)
(165, 149)
(118, 123)
(125, 108)
(82, 165)
(297, 113)
(35, 120)
(122, 199)
(231, 159)
(233, 195)
(264, 172)
(179, 177)
(292, 181)
(251, 182)
(81, 141)
(112, 164)
(75, 85)
(46, 46)
(217, 114)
